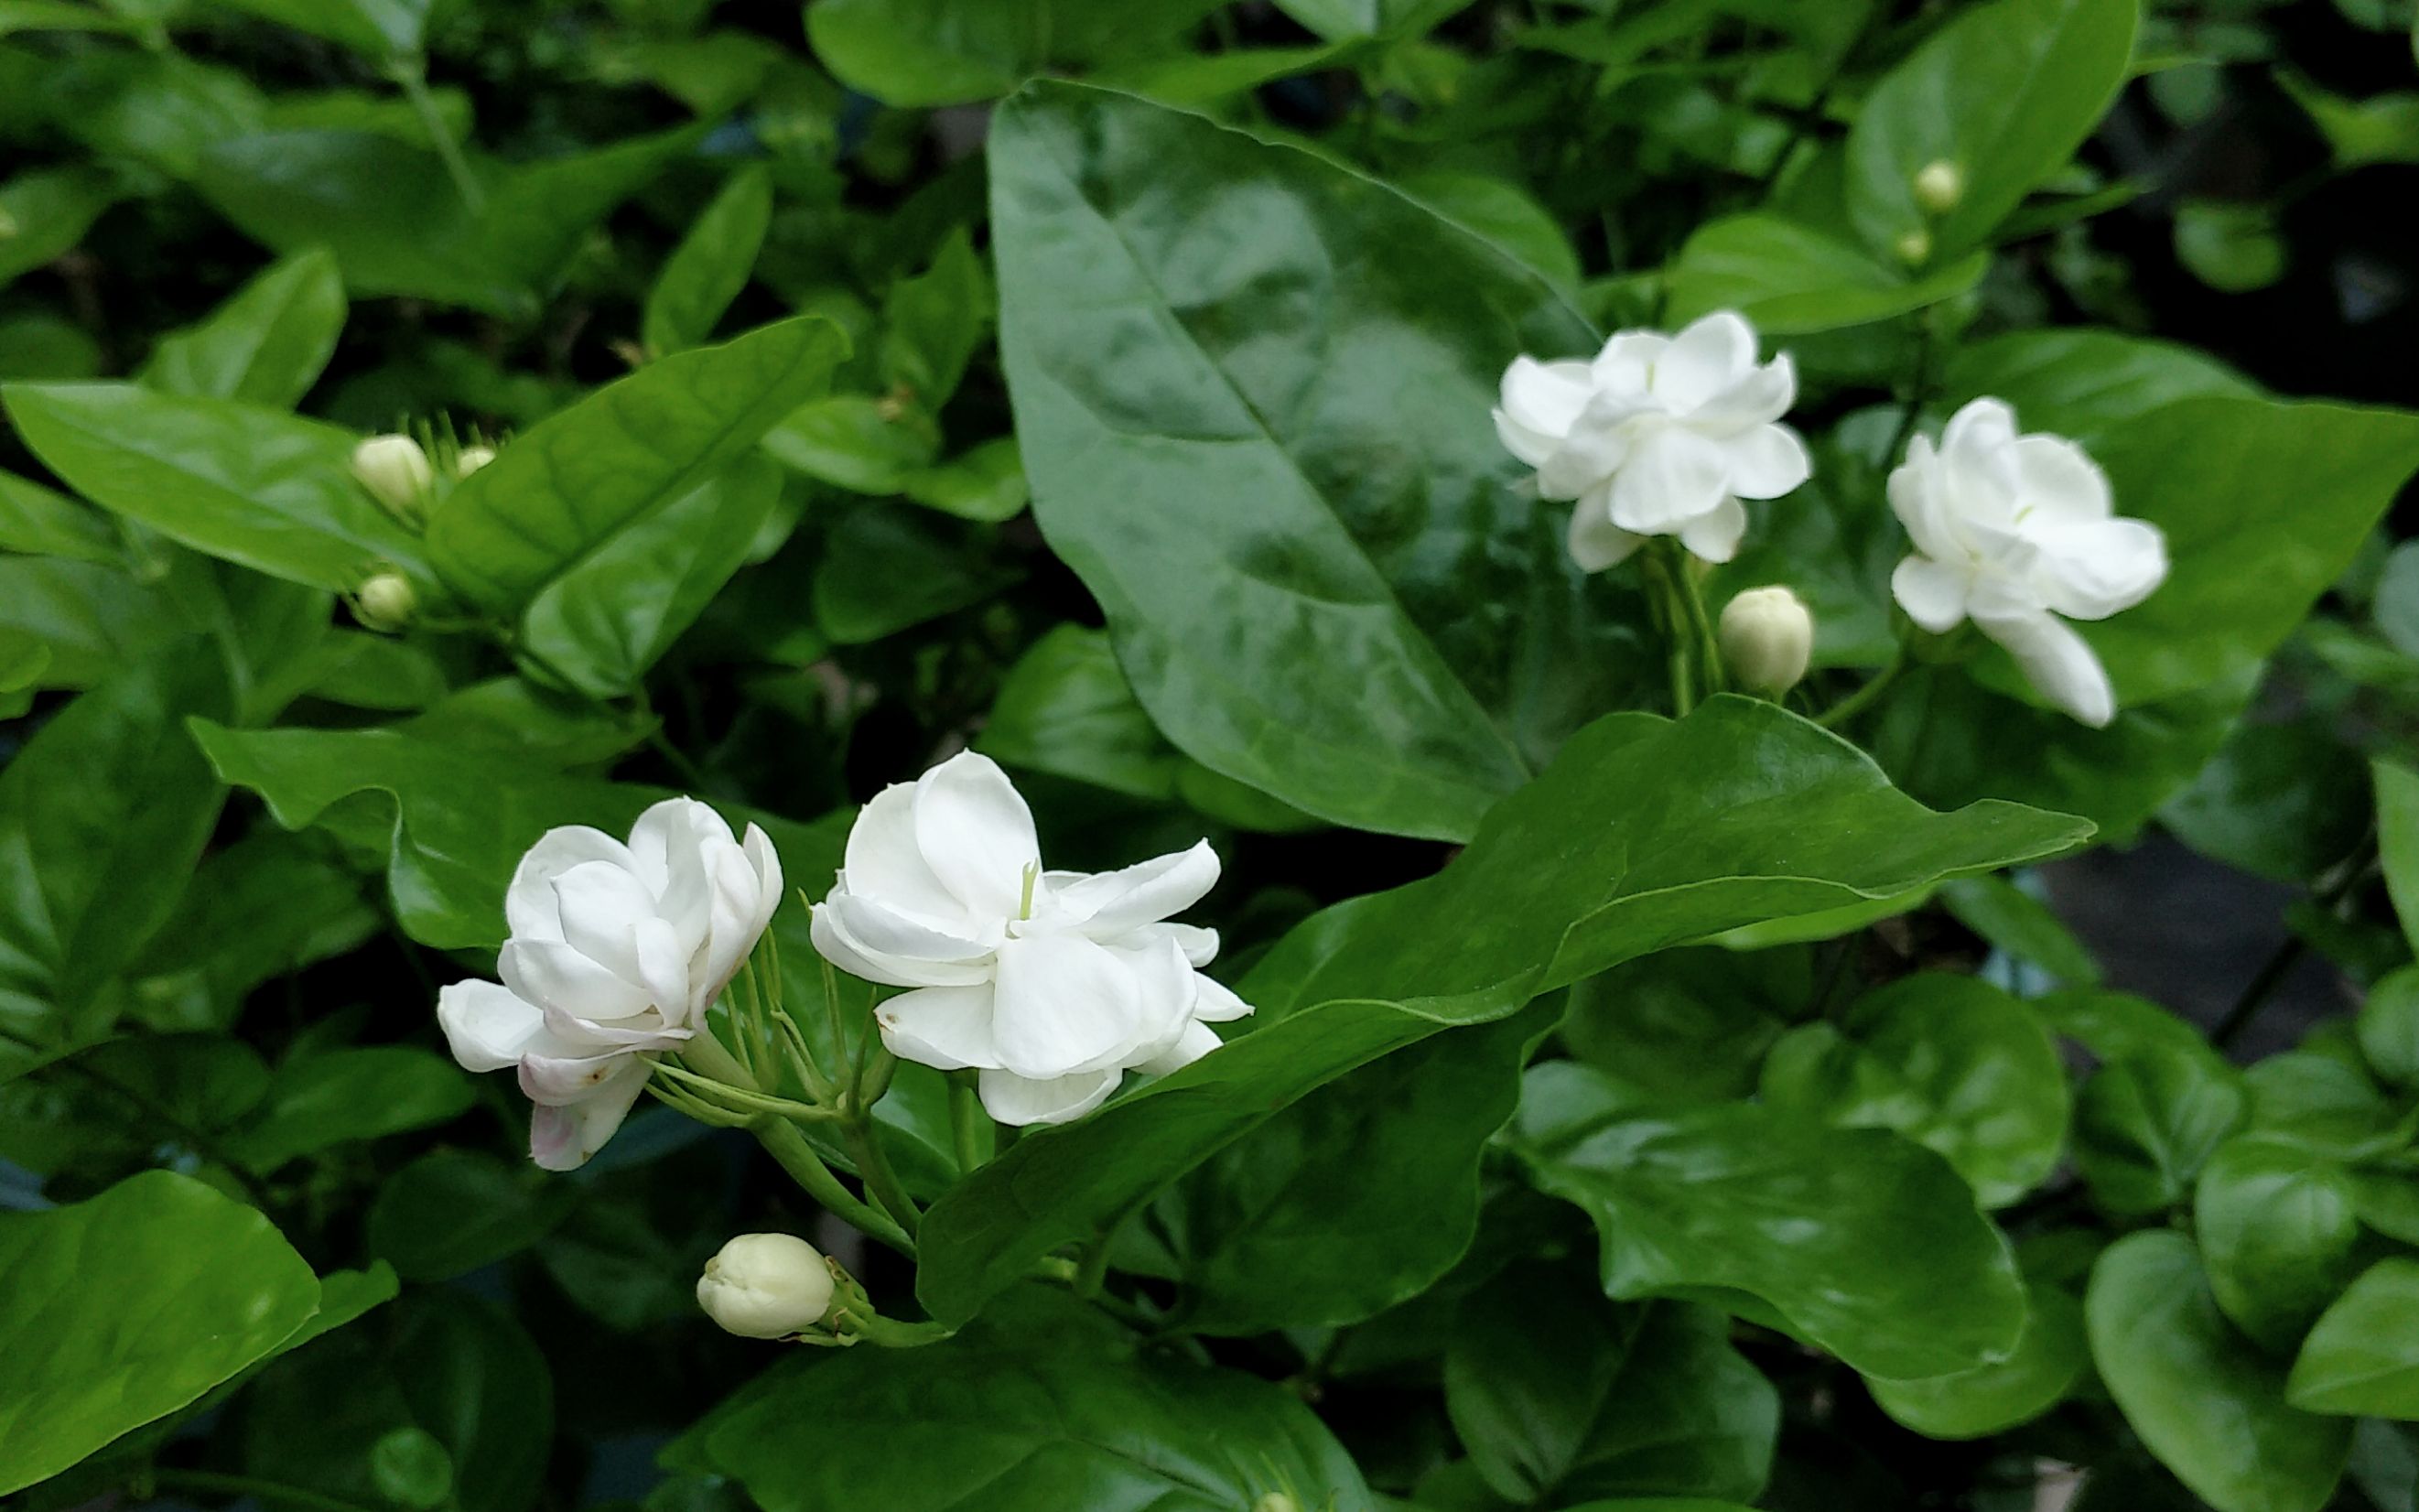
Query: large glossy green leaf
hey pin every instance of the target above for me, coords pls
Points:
(92, 619)
(948, 52)
(709, 268)
(2287, 800)
(266, 344)
(102, 816)
(2087, 384)
(2276, 1226)
(124, 1308)
(1559, 1394)
(2004, 93)
(2363, 1357)
(1043, 1408)
(362, 1092)
(398, 224)
(1373, 625)
(1356, 1197)
(1951, 1062)
(563, 489)
(1789, 279)
(1644, 833)
(46, 522)
(2050, 1356)
(268, 904)
(254, 487)
(607, 619)
(1855, 1239)
(2201, 1396)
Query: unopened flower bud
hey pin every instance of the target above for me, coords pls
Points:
(1914, 248)
(1276, 1502)
(385, 602)
(765, 1286)
(1767, 636)
(1938, 186)
(397, 473)
(471, 459)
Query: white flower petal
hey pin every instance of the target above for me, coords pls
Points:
(599, 904)
(1019, 1101)
(1198, 1039)
(564, 1138)
(896, 950)
(1672, 476)
(1767, 462)
(2090, 571)
(1715, 536)
(976, 834)
(948, 1028)
(529, 899)
(553, 975)
(1214, 1002)
(2059, 481)
(1978, 461)
(1760, 397)
(1596, 448)
(486, 1026)
(568, 1035)
(1595, 542)
(1541, 401)
(1064, 1004)
(1110, 903)
(556, 1081)
(1932, 592)
(669, 830)
(1169, 987)
(883, 860)
(1709, 355)
(2060, 663)
(1627, 363)
(662, 965)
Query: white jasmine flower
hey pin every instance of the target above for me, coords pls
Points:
(1767, 638)
(765, 1286)
(1658, 436)
(1051, 984)
(2014, 532)
(616, 952)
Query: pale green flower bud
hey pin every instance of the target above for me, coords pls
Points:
(1276, 1502)
(385, 602)
(1938, 186)
(397, 473)
(471, 459)
(1767, 638)
(1914, 248)
(765, 1286)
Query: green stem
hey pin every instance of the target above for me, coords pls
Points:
(786, 1144)
(891, 1332)
(209, 1480)
(1677, 627)
(411, 74)
(1709, 647)
(705, 1052)
(881, 1182)
(1917, 393)
(1862, 699)
(1092, 1268)
(970, 1127)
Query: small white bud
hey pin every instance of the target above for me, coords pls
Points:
(471, 459)
(765, 1286)
(397, 473)
(1914, 248)
(1938, 186)
(1767, 638)
(1276, 1502)
(385, 602)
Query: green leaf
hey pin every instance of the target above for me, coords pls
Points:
(610, 617)
(2363, 1357)
(2022, 925)
(2145, 1124)
(2276, 1226)
(1065, 709)
(2233, 248)
(565, 488)
(1346, 20)
(986, 483)
(950, 51)
(1951, 1062)
(2004, 94)
(931, 324)
(2326, 1104)
(1557, 1393)
(376, 29)
(1689, 1025)
(342, 1095)
(50, 209)
(266, 344)
(1502, 212)
(264, 906)
(453, 1210)
(1356, 1197)
(45, 522)
(2398, 839)
(2287, 800)
(2396, 606)
(1792, 279)
(257, 487)
(443, 1362)
(1644, 833)
(2087, 384)
(116, 1104)
(1313, 636)
(124, 1308)
(1042, 1408)
(867, 446)
(103, 814)
(1853, 1240)
(885, 569)
(2388, 1027)
(93, 620)
(2204, 1400)
(712, 264)
(2050, 1359)
(398, 224)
